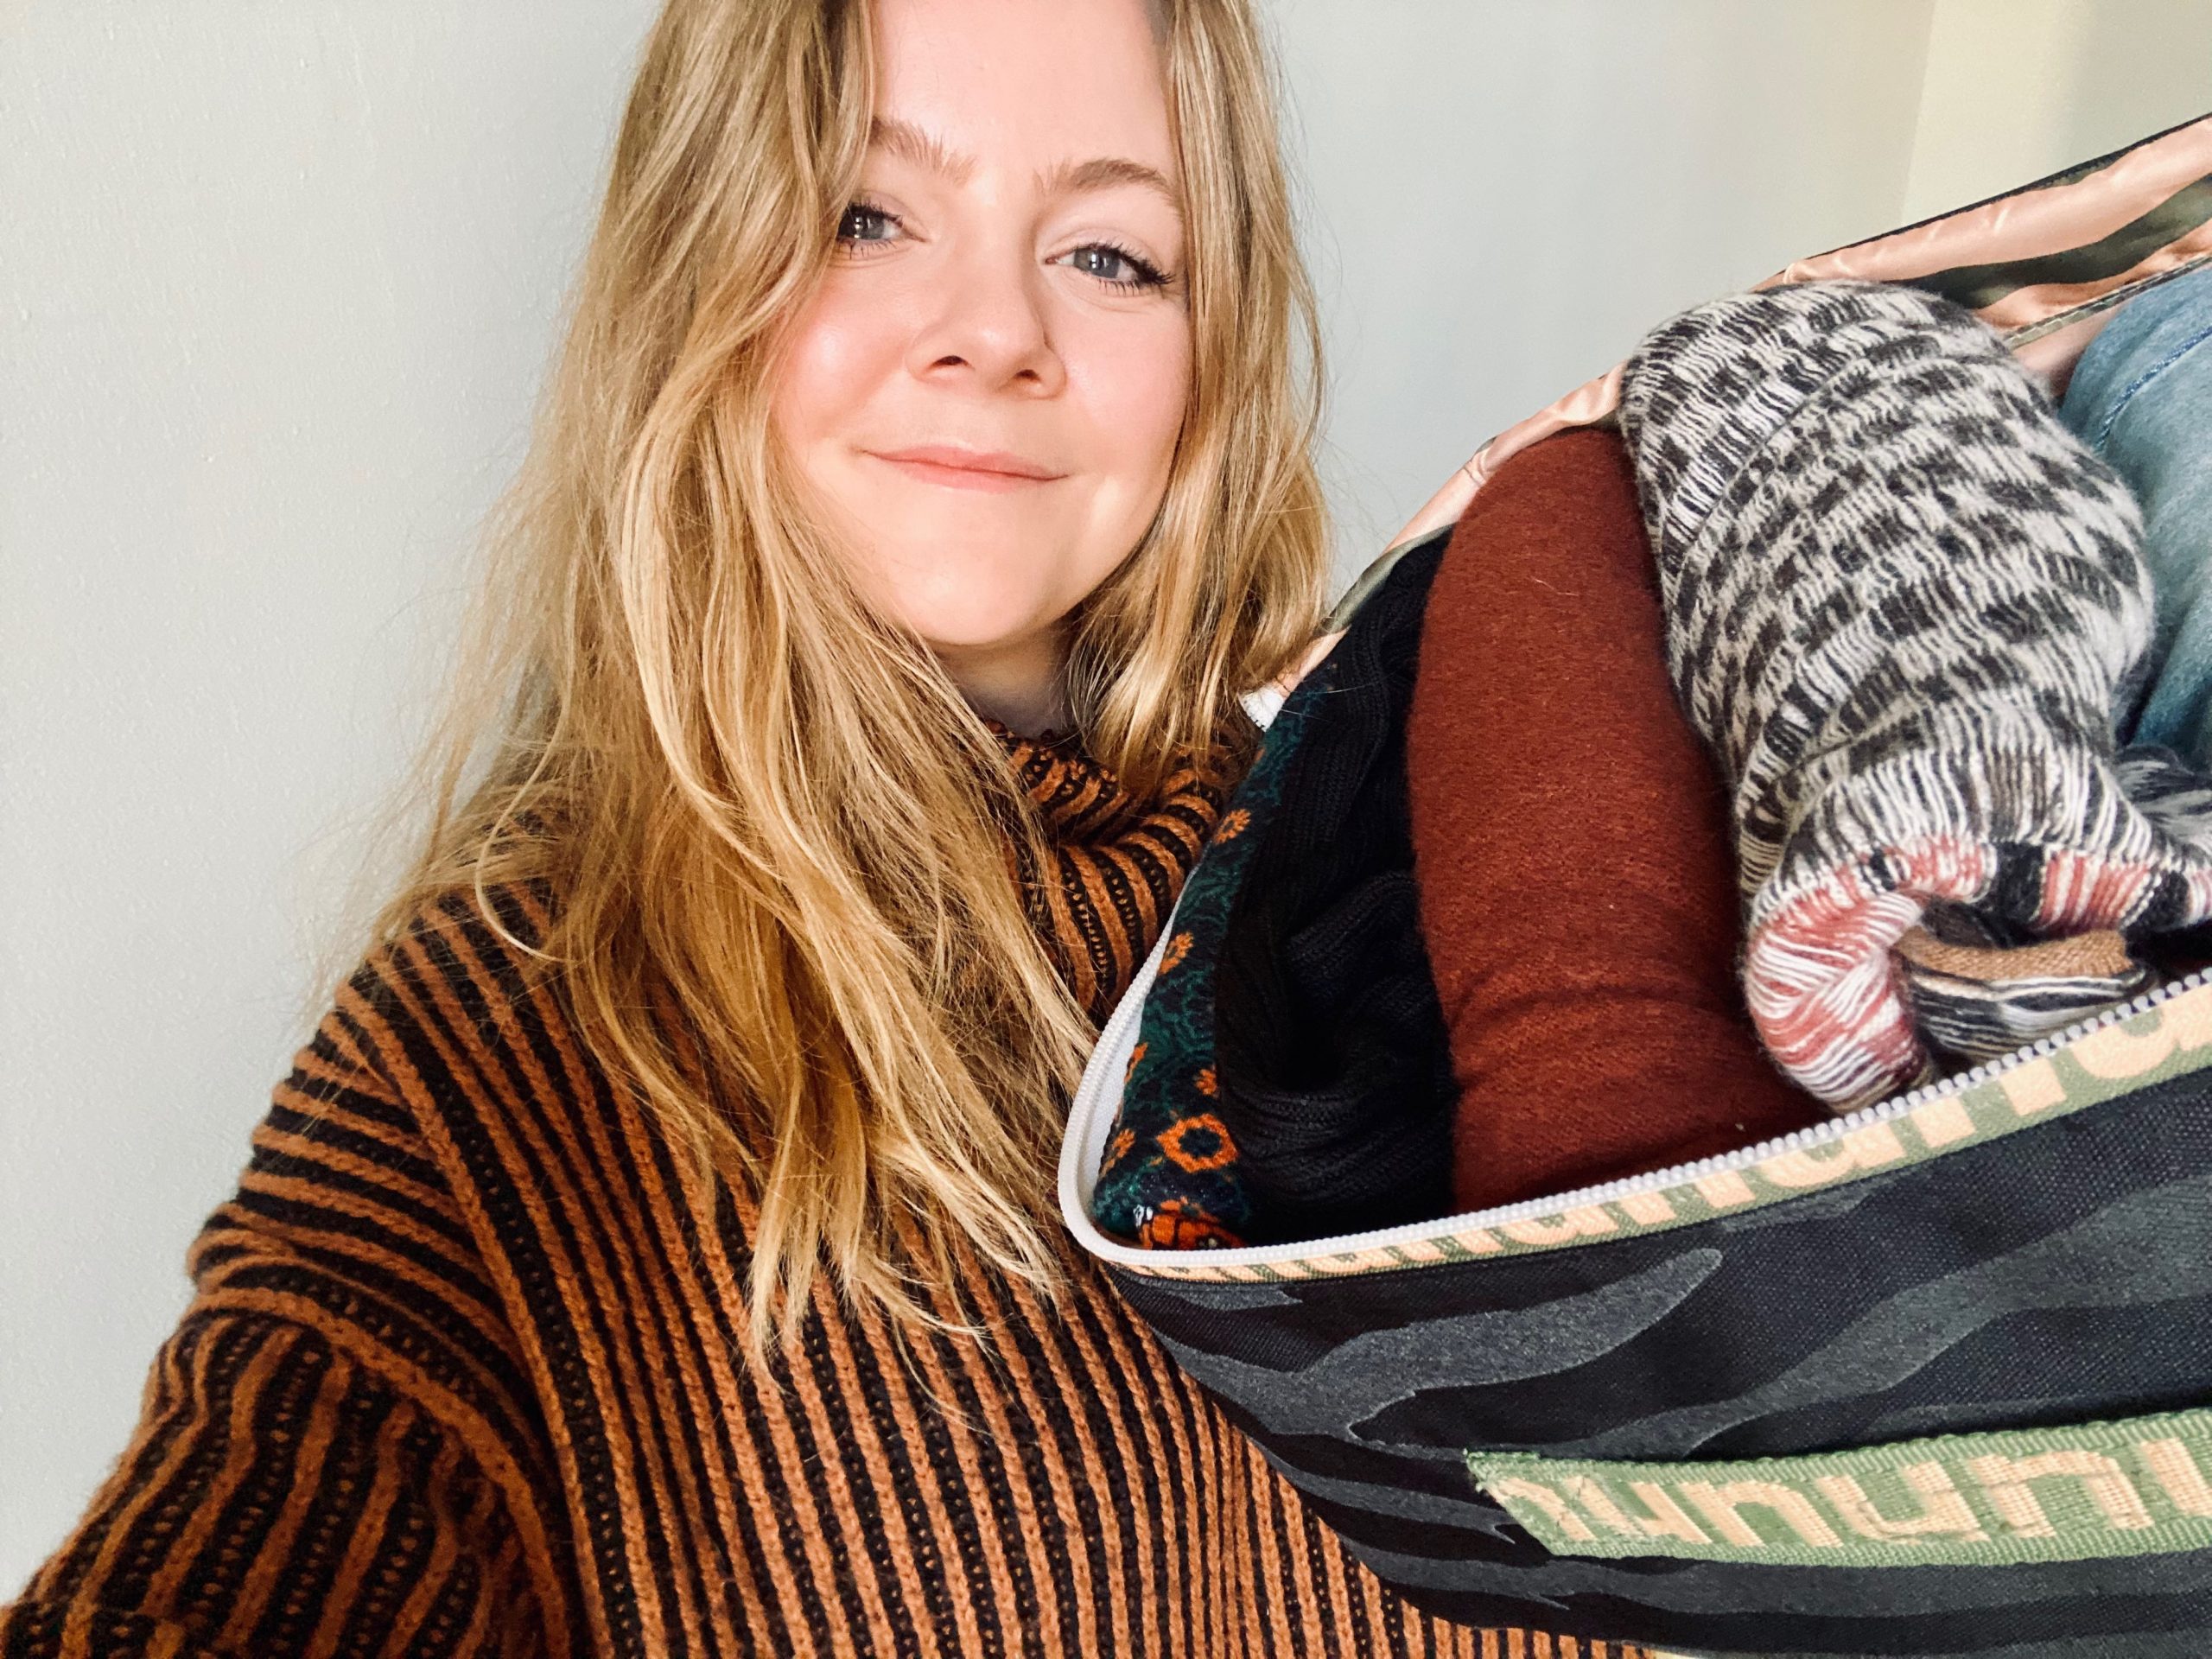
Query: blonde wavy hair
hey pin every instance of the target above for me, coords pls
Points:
(764, 805)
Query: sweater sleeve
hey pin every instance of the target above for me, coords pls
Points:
(335, 1453)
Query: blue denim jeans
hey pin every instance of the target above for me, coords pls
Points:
(2141, 396)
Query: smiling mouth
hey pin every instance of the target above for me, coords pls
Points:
(967, 470)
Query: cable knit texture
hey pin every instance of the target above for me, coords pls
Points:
(461, 1377)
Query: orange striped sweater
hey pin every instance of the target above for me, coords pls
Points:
(459, 1378)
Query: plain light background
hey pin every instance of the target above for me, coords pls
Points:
(277, 282)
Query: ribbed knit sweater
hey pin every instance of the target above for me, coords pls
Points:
(460, 1377)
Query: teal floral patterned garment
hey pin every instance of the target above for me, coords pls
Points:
(1170, 1179)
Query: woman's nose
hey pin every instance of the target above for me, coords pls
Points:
(990, 323)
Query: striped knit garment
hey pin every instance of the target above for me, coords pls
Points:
(1905, 606)
(460, 1377)
(1980, 1003)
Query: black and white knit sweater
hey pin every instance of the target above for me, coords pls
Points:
(1904, 607)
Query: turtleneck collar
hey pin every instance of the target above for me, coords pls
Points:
(1118, 870)
(1076, 796)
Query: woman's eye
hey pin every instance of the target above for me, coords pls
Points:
(1118, 267)
(863, 224)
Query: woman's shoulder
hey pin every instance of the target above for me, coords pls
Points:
(456, 1011)
(471, 937)
(482, 945)
(425, 1033)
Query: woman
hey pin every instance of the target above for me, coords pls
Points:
(650, 1251)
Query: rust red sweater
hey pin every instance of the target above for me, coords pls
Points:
(1572, 844)
(459, 1379)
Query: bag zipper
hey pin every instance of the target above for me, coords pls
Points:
(1836, 1128)
(1077, 1183)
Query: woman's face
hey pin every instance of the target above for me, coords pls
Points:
(987, 390)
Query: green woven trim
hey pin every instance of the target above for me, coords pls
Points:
(2139, 1487)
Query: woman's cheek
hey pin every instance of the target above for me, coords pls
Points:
(1141, 386)
(820, 380)
(847, 349)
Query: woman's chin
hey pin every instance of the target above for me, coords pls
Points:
(980, 632)
(984, 614)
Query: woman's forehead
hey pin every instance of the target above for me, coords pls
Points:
(1050, 84)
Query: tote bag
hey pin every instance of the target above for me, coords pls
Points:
(1934, 1377)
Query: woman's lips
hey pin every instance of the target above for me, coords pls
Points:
(967, 470)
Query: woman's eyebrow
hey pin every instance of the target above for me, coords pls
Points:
(1103, 171)
(910, 142)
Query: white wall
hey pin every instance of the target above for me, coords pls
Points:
(2016, 89)
(276, 283)
(1506, 193)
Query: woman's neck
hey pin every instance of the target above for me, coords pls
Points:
(1015, 682)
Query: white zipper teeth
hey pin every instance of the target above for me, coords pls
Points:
(1879, 1112)
(1130, 1008)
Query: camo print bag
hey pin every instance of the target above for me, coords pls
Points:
(1934, 1377)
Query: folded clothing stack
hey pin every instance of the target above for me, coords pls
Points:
(1483, 942)
(1764, 761)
